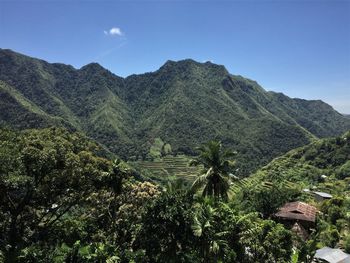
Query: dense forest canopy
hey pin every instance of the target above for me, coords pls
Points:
(138, 148)
(322, 166)
(63, 201)
(184, 104)
(155, 167)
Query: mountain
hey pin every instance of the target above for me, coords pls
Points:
(321, 168)
(310, 164)
(184, 103)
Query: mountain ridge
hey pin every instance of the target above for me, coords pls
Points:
(185, 103)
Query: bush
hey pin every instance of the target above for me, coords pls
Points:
(347, 244)
(344, 171)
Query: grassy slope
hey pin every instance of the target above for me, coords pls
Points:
(184, 103)
(307, 164)
(86, 99)
(27, 113)
(167, 168)
(187, 103)
(305, 167)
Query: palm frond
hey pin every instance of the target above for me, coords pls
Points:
(197, 227)
(199, 182)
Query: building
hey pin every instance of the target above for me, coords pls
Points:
(297, 212)
(321, 196)
(331, 255)
(300, 231)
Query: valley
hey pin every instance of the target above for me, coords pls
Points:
(185, 164)
(184, 103)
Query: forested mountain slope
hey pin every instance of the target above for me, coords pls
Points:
(184, 103)
(322, 160)
(304, 174)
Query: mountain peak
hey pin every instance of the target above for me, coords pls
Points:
(191, 63)
(185, 103)
(181, 61)
(6, 50)
(92, 66)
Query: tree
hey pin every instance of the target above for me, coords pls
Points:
(114, 180)
(44, 175)
(266, 197)
(165, 233)
(347, 244)
(211, 241)
(217, 164)
(266, 241)
(132, 202)
(344, 171)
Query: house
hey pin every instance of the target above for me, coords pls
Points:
(331, 255)
(297, 212)
(300, 231)
(321, 196)
(324, 177)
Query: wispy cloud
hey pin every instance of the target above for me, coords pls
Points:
(114, 31)
(109, 51)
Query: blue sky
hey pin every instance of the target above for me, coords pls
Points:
(300, 48)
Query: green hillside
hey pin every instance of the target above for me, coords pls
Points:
(61, 201)
(311, 164)
(184, 103)
(18, 112)
(322, 166)
(167, 168)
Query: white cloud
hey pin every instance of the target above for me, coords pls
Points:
(114, 31)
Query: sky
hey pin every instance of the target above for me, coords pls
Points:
(300, 48)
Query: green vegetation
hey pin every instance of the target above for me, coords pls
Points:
(184, 103)
(44, 175)
(217, 164)
(62, 201)
(159, 149)
(320, 162)
(320, 166)
(166, 169)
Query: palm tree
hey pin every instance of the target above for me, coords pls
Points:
(217, 164)
(212, 243)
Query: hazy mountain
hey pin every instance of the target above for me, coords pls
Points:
(184, 103)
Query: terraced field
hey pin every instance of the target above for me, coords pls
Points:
(167, 168)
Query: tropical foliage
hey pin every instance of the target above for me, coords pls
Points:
(61, 201)
(320, 166)
(65, 198)
(218, 167)
(171, 110)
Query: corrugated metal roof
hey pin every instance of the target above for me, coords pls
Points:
(332, 255)
(324, 195)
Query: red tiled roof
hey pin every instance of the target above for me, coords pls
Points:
(297, 211)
